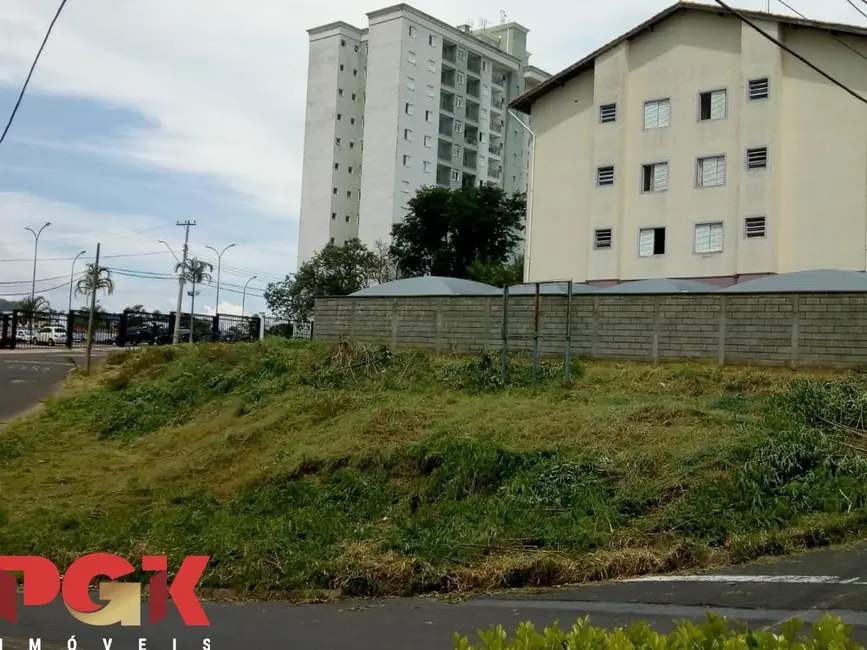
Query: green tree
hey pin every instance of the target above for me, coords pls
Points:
(497, 274)
(333, 271)
(195, 272)
(447, 230)
(94, 280)
(34, 305)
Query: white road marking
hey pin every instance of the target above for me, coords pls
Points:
(41, 363)
(785, 579)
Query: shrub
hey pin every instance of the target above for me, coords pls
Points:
(715, 633)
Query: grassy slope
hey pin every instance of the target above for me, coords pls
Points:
(307, 467)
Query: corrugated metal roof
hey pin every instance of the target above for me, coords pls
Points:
(659, 285)
(554, 288)
(429, 285)
(815, 281)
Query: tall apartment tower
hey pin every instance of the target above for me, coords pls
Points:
(406, 103)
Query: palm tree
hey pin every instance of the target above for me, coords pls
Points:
(195, 272)
(33, 305)
(95, 280)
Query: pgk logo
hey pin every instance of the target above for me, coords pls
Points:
(42, 584)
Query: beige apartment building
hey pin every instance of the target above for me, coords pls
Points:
(694, 147)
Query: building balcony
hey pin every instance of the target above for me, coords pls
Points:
(498, 80)
(495, 151)
(497, 127)
(495, 172)
(450, 52)
(498, 104)
(447, 78)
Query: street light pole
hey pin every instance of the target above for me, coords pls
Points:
(35, 253)
(219, 266)
(71, 280)
(531, 198)
(244, 295)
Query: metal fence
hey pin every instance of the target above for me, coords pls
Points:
(20, 329)
(287, 329)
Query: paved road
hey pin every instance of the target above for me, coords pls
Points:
(29, 376)
(763, 595)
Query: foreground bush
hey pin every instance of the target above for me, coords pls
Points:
(831, 633)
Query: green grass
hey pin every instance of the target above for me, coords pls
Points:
(302, 467)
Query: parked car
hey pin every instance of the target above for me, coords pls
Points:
(51, 335)
(136, 337)
(25, 336)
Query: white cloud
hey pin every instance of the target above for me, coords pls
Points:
(222, 83)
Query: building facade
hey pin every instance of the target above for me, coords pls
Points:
(695, 147)
(408, 102)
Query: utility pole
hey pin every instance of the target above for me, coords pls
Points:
(181, 278)
(95, 283)
(219, 267)
(192, 294)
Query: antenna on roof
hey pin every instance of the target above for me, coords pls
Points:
(502, 17)
(483, 24)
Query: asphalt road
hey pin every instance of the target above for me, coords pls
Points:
(28, 376)
(762, 595)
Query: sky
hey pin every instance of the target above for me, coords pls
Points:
(144, 114)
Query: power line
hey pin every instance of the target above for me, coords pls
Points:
(57, 277)
(66, 259)
(50, 289)
(30, 73)
(857, 8)
(830, 33)
(786, 48)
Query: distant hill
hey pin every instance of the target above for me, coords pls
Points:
(7, 305)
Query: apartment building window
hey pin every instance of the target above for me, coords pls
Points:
(348, 194)
(334, 190)
(456, 175)
(410, 83)
(456, 151)
(654, 177)
(341, 67)
(350, 169)
(460, 76)
(605, 176)
(354, 96)
(337, 141)
(340, 92)
(332, 241)
(407, 135)
(411, 57)
(356, 48)
(711, 171)
(462, 53)
(412, 30)
(608, 113)
(342, 42)
(485, 66)
(408, 108)
(333, 216)
(428, 116)
(602, 238)
(432, 40)
(459, 127)
(352, 120)
(459, 101)
(484, 112)
(354, 72)
(481, 137)
(431, 65)
(347, 218)
(657, 114)
(430, 91)
(708, 238)
(426, 166)
(339, 116)
(757, 158)
(336, 165)
(352, 145)
(428, 141)
(405, 187)
(758, 89)
(651, 241)
(754, 227)
(712, 105)
(406, 160)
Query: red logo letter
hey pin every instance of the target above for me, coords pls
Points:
(182, 590)
(76, 582)
(41, 583)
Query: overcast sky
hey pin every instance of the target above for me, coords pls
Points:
(145, 113)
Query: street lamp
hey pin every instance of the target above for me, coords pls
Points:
(219, 265)
(165, 243)
(531, 198)
(244, 296)
(71, 277)
(35, 251)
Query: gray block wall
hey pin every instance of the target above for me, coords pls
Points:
(797, 330)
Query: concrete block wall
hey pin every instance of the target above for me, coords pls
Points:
(810, 330)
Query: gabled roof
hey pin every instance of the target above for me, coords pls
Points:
(546, 289)
(525, 102)
(658, 285)
(428, 285)
(813, 281)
